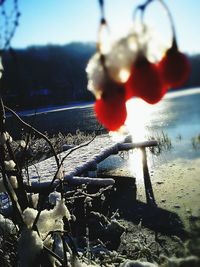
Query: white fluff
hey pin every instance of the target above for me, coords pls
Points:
(4, 137)
(60, 210)
(22, 143)
(96, 75)
(7, 225)
(49, 220)
(9, 165)
(29, 215)
(30, 246)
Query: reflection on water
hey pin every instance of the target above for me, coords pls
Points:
(178, 114)
(176, 117)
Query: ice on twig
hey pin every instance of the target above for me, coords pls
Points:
(49, 220)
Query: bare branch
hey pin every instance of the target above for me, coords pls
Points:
(36, 131)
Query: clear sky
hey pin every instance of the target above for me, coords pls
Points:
(64, 21)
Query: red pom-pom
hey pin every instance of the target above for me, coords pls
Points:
(145, 82)
(110, 109)
(174, 68)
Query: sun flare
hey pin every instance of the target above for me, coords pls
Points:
(139, 117)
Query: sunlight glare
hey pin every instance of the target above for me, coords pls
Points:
(139, 117)
(135, 164)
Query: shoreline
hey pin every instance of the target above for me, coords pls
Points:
(176, 185)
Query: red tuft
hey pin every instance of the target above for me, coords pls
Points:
(174, 68)
(111, 108)
(145, 82)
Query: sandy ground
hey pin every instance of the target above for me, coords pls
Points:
(176, 184)
(177, 188)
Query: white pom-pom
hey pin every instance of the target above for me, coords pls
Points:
(29, 215)
(7, 225)
(120, 58)
(22, 143)
(96, 75)
(60, 210)
(9, 165)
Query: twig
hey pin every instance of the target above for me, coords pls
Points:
(23, 199)
(64, 251)
(77, 147)
(53, 254)
(36, 131)
(54, 178)
(73, 247)
(14, 202)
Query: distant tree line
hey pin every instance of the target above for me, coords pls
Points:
(41, 76)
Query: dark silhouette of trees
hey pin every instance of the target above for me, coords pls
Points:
(55, 75)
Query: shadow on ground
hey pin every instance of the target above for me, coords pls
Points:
(123, 198)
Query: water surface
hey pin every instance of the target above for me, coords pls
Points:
(177, 115)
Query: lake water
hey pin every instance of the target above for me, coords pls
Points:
(177, 115)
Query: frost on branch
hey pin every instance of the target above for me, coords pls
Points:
(4, 137)
(49, 220)
(9, 165)
(7, 225)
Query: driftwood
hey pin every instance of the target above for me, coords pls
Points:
(82, 161)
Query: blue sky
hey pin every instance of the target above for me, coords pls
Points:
(64, 21)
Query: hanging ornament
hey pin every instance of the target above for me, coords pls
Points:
(145, 81)
(110, 109)
(174, 67)
(110, 106)
(132, 67)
